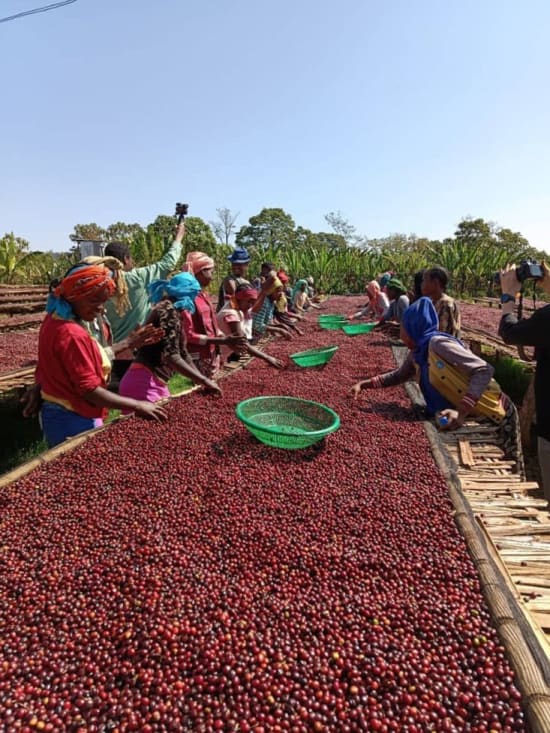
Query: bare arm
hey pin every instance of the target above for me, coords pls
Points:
(188, 370)
(389, 379)
(101, 397)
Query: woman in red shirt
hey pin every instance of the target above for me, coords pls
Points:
(202, 334)
(73, 368)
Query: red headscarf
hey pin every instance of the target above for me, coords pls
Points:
(245, 293)
(86, 281)
(283, 277)
(197, 261)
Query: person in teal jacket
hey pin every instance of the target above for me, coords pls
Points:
(138, 280)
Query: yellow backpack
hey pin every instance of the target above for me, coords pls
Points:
(453, 385)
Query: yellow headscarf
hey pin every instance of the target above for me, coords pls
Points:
(276, 284)
(122, 301)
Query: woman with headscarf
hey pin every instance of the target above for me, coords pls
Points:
(263, 312)
(377, 305)
(281, 313)
(235, 319)
(154, 364)
(383, 281)
(300, 300)
(73, 368)
(399, 302)
(454, 381)
(100, 328)
(202, 334)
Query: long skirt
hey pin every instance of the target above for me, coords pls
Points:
(58, 423)
(140, 383)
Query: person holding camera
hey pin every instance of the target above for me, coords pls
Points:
(137, 280)
(533, 331)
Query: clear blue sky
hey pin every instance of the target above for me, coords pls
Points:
(405, 115)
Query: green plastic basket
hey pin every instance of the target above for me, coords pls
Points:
(287, 422)
(355, 328)
(314, 357)
(333, 325)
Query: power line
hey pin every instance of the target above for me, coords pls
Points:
(42, 9)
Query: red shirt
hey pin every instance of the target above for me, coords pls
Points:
(69, 366)
(200, 325)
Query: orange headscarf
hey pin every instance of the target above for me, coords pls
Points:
(86, 281)
(197, 261)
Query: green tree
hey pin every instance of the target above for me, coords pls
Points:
(139, 247)
(42, 269)
(198, 237)
(163, 227)
(474, 231)
(331, 240)
(122, 232)
(15, 258)
(88, 231)
(267, 232)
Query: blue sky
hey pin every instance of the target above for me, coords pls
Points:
(405, 115)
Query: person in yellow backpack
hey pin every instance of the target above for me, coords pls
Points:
(454, 382)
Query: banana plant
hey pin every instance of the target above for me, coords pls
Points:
(14, 260)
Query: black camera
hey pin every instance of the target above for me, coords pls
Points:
(526, 270)
(181, 211)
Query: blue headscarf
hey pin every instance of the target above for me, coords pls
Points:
(421, 321)
(182, 290)
(60, 307)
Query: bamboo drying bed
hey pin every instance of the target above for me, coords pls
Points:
(506, 525)
(17, 378)
(495, 343)
(24, 322)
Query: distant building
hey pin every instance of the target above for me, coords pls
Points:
(89, 247)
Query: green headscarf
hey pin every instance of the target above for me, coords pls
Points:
(297, 287)
(396, 284)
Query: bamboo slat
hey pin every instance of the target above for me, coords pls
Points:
(466, 455)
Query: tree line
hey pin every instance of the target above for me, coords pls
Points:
(340, 259)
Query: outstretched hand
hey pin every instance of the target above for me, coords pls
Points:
(145, 336)
(151, 410)
(358, 387)
(453, 420)
(211, 386)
